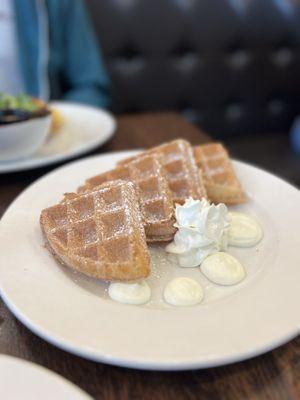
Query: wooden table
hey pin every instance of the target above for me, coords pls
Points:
(273, 376)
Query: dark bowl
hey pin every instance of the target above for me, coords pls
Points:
(11, 116)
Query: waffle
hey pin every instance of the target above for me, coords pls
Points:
(99, 233)
(183, 176)
(155, 197)
(220, 180)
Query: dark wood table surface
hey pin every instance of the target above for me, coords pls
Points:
(275, 375)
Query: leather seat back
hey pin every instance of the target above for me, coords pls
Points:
(232, 66)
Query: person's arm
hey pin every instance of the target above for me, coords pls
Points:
(83, 70)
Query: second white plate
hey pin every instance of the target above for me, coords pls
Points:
(231, 324)
(84, 128)
(20, 379)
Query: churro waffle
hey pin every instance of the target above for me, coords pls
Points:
(220, 180)
(154, 195)
(183, 176)
(99, 233)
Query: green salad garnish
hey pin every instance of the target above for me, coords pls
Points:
(19, 102)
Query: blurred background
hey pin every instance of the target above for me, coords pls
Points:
(230, 66)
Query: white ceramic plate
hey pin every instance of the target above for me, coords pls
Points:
(84, 129)
(233, 323)
(20, 379)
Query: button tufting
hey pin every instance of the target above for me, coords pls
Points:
(190, 114)
(188, 61)
(233, 111)
(183, 50)
(184, 57)
(125, 4)
(129, 54)
(282, 57)
(186, 5)
(239, 58)
(128, 61)
(275, 106)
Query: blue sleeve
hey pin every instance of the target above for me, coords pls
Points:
(83, 69)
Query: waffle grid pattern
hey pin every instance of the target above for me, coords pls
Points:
(216, 164)
(219, 177)
(154, 195)
(183, 176)
(101, 230)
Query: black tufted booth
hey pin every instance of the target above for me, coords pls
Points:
(233, 66)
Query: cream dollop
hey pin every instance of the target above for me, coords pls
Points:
(183, 291)
(244, 231)
(130, 293)
(202, 230)
(223, 269)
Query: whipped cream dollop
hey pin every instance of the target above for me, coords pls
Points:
(130, 293)
(223, 269)
(183, 291)
(202, 230)
(244, 230)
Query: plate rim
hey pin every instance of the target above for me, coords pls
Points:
(29, 163)
(28, 364)
(136, 363)
(145, 365)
